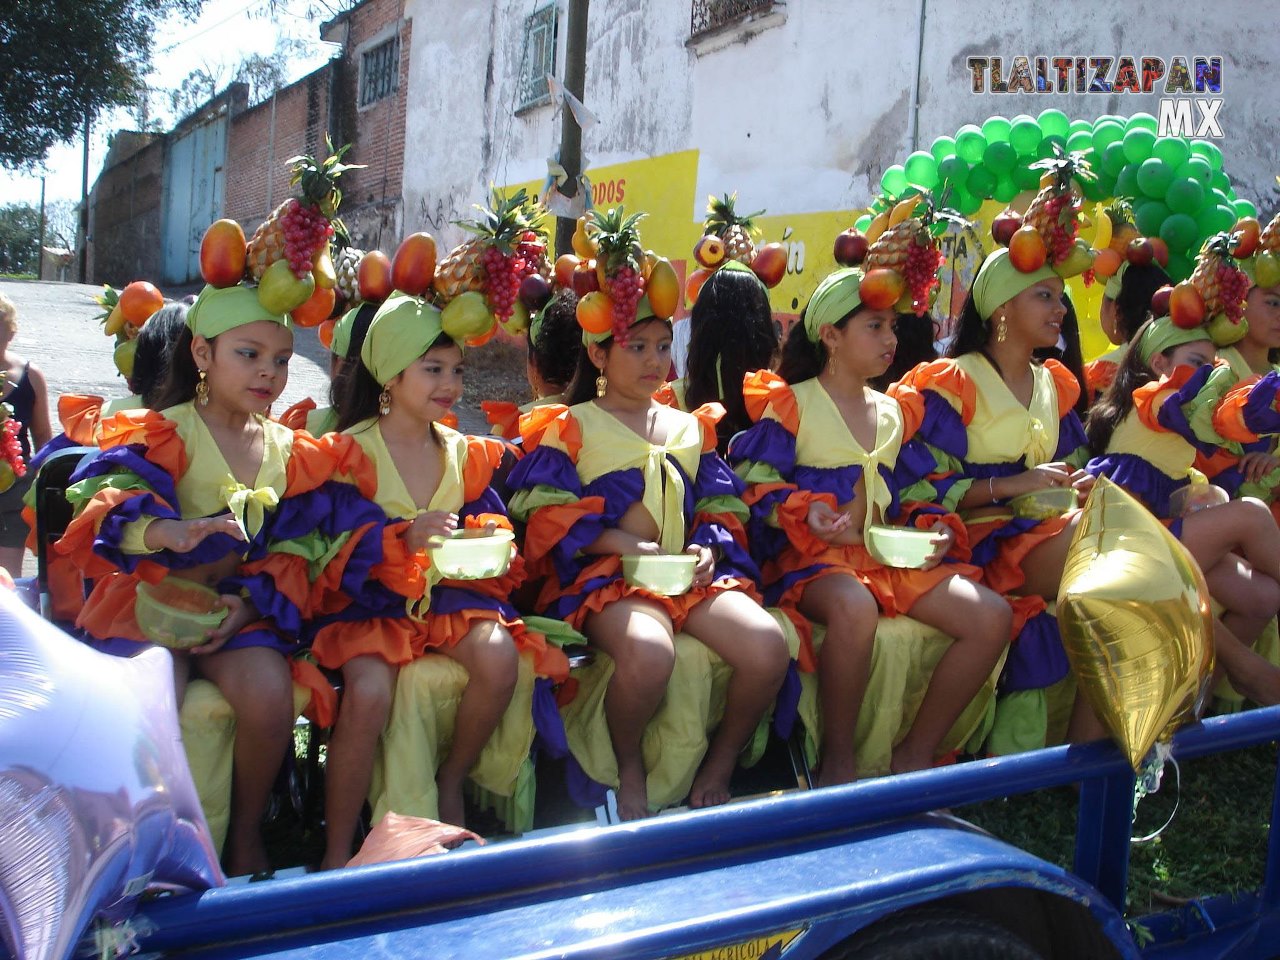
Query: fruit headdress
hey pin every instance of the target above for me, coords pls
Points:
(899, 255)
(492, 278)
(1214, 294)
(727, 238)
(1259, 250)
(616, 279)
(123, 314)
(1049, 231)
(1119, 245)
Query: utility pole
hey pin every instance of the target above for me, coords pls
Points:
(40, 244)
(575, 76)
(84, 206)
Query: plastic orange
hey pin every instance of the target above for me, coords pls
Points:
(139, 300)
(1106, 262)
(1027, 251)
(693, 285)
(325, 333)
(881, 288)
(482, 339)
(595, 312)
(316, 310)
(565, 265)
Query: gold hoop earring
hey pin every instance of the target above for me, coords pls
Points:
(602, 385)
(202, 389)
(1002, 330)
(384, 402)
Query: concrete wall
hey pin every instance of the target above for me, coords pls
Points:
(802, 109)
(125, 239)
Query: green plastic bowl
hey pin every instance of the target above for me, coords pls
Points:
(177, 613)
(460, 557)
(1044, 504)
(668, 575)
(903, 547)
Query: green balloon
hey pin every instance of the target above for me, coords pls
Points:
(922, 169)
(1185, 196)
(1220, 181)
(1142, 121)
(1138, 143)
(1025, 135)
(1045, 150)
(1094, 189)
(862, 223)
(1111, 118)
(1079, 142)
(1245, 208)
(1079, 126)
(1219, 198)
(1180, 266)
(1113, 159)
(1006, 189)
(981, 182)
(953, 171)
(894, 180)
(942, 148)
(1104, 184)
(1127, 182)
(1231, 194)
(1178, 231)
(1054, 123)
(970, 143)
(1172, 150)
(1106, 133)
(1215, 219)
(1148, 217)
(1026, 178)
(996, 129)
(1000, 158)
(966, 202)
(1209, 151)
(1196, 168)
(1154, 177)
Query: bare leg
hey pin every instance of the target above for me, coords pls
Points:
(978, 621)
(181, 674)
(492, 663)
(750, 641)
(1043, 565)
(637, 635)
(850, 614)
(257, 684)
(1245, 527)
(11, 560)
(1252, 676)
(1084, 724)
(367, 685)
(1251, 598)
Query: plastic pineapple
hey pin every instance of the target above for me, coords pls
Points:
(347, 267)
(1055, 211)
(301, 226)
(620, 257)
(1123, 225)
(1222, 285)
(908, 247)
(731, 227)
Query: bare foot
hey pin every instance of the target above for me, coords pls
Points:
(711, 785)
(450, 806)
(1262, 686)
(633, 791)
(906, 760)
(333, 860)
(835, 771)
(245, 856)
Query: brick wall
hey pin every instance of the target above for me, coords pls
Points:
(262, 139)
(125, 213)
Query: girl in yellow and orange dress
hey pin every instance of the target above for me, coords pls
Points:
(1126, 298)
(404, 479)
(615, 473)
(820, 462)
(198, 489)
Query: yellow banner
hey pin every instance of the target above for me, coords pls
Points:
(761, 948)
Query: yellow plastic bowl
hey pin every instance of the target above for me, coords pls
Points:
(900, 546)
(177, 613)
(669, 575)
(473, 558)
(1044, 504)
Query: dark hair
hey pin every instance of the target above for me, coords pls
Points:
(731, 334)
(555, 353)
(915, 346)
(802, 359)
(1133, 303)
(1114, 405)
(358, 399)
(971, 331)
(180, 380)
(1072, 356)
(154, 351)
(583, 385)
(349, 361)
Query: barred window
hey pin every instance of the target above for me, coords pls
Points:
(380, 71)
(709, 15)
(539, 56)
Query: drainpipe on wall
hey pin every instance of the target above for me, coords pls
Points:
(915, 87)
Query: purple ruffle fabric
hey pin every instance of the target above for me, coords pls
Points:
(1149, 484)
(1036, 658)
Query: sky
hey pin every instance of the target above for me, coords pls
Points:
(222, 36)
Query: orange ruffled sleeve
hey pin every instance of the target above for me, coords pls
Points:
(346, 460)
(1098, 376)
(484, 455)
(295, 418)
(80, 415)
(535, 424)
(763, 390)
(157, 433)
(1149, 397)
(709, 414)
(503, 416)
(1228, 415)
(666, 395)
(1065, 382)
(944, 377)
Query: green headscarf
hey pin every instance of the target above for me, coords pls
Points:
(403, 329)
(999, 281)
(219, 309)
(643, 312)
(1162, 333)
(341, 341)
(837, 296)
(1112, 289)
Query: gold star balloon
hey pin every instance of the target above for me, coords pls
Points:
(1134, 612)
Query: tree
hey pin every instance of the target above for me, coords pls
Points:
(65, 62)
(19, 239)
(61, 222)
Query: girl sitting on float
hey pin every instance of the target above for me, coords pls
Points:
(553, 343)
(408, 482)
(1126, 298)
(344, 355)
(820, 462)
(196, 491)
(616, 474)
